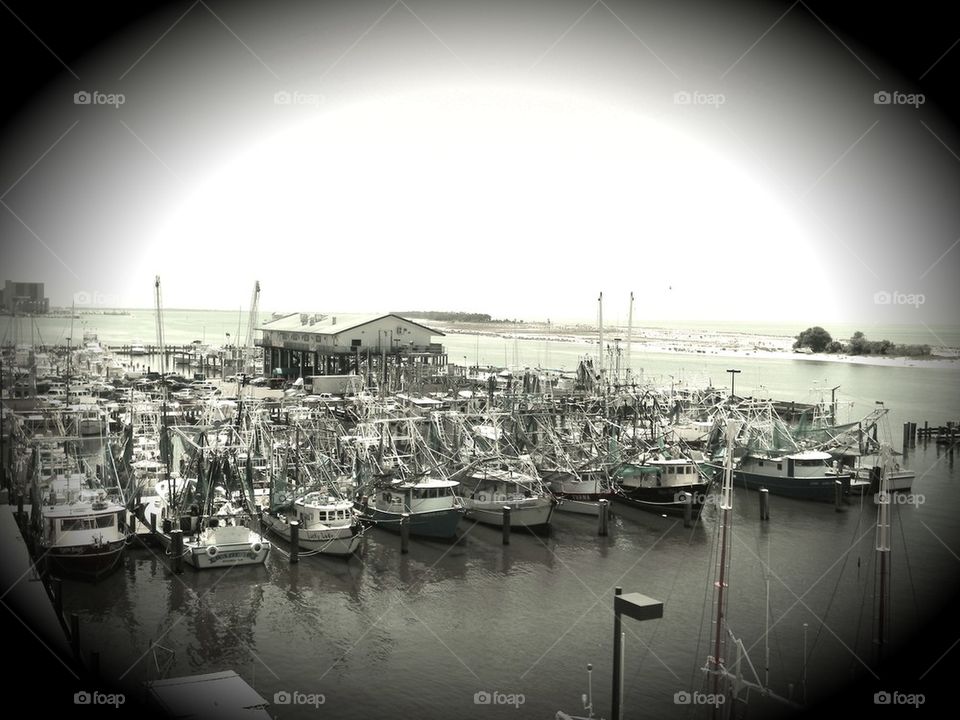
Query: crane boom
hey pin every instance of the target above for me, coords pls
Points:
(251, 329)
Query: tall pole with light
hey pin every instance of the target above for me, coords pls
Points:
(733, 378)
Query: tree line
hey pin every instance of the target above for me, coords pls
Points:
(820, 341)
(448, 316)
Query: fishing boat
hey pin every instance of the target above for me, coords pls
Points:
(664, 484)
(217, 532)
(580, 490)
(82, 533)
(225, 539)
(498, 482)
(88, 419)
(866, 476)
(327, 524)
(807, 474)
(429, 502)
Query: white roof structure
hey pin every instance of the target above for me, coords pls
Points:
(318, 324)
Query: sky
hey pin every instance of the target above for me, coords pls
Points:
(744, 162)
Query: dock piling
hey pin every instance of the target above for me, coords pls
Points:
(687, 509)
(764, 504)
(506, 524)
(75, 634)
(294, 542)
(176, 550)
(602, 530)
(58, 597)
(153, 523)
(405, 533)
(838, 495)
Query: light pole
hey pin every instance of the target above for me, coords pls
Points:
(733, 378)
(638, 607)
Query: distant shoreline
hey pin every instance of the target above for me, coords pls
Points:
(710, 343)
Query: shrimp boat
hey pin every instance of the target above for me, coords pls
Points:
(328, 524)
(82, 533)
(807, 474)
(494, 483)
(662, 484)
(225, 539)
(216, 532)
(580, 491)
(431, 504)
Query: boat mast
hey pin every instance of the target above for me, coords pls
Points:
(159, 320)
(629, 373)
(726, 507)
(70, 351)
(883, 548)
(600, 349)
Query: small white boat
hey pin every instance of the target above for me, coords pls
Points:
(328, 525)
(137, 348)
(225, 539)
(867, 477)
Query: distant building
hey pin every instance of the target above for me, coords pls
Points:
(305, 344)
(24, 297)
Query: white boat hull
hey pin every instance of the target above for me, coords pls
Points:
(580, 507)
(340, 542)
(227, 555)
(527, 513)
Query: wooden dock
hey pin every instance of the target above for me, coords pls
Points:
(31, 601)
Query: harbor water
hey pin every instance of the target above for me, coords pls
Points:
(479, 629)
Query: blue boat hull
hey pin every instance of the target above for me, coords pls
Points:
(440, 524)
(815, 488)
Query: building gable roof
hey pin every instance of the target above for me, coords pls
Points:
(318, 324)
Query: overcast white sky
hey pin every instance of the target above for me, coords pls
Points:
(513, 159)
